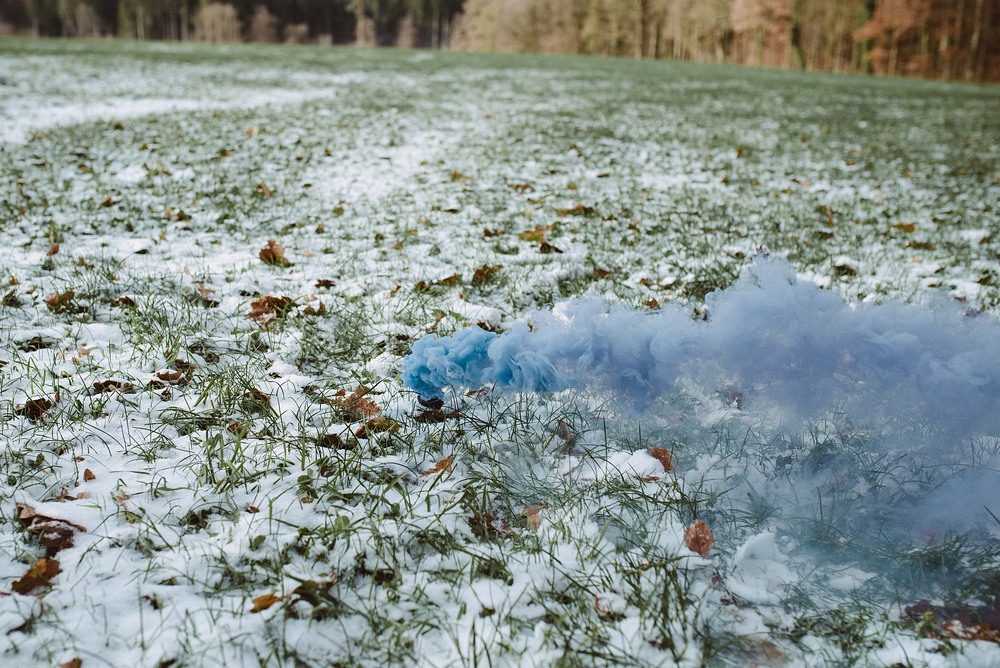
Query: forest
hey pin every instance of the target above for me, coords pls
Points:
(941, 39)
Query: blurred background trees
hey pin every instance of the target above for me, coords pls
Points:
(947, 39)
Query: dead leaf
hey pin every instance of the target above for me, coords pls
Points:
(268, 308)
(274, 254)
(53, 249)
(521, 187)
(65, 301)
(34, 408)
(698, 537)
(255, 401)
(662, 455)
(537, 234)
(111, 385)
(75, 662)
(37, 577)
(10, 300)
(263, 191)
(442, 465)
(909, 228)
(168, 377)
(377, 425)
(485, 274)
(357, 406)
(88, 475)
(264, 602)
(533, 516)
(546, 248)
(652, 303)
(124, 300)
(488, 525)
(109, 202)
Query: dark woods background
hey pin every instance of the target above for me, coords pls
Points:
(945, 39)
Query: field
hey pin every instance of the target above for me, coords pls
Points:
(214, 261)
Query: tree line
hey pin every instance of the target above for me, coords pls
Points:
(947, 39)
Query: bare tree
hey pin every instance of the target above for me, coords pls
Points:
(216, 22)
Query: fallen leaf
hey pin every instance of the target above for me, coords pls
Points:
(58, 302)
(537, 234)
(54, 249)
(111, 385)
(488, 526)
(377, 425)
(264, 602)
(442, 465)
(268, 308)
(547, 248)
(274, 254)
(10, 299)
(37, 577)
(357, 406)
(88, 475)
(485, 274)
(533, 516)
(698, 537)
(75, 662)
(34, 408)
(110, 202)
(662, 455)
(124, 300)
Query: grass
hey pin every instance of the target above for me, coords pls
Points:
(418, 193)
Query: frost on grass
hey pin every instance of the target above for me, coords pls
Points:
(213, 452)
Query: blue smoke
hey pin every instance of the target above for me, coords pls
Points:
(774, 341)
(925, 379)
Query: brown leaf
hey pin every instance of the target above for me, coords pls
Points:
(450, 281)
(10, 300)
(35, 408)
(264, 602)
(54, 249)
(488, 525)
(442, 465)
(521, 187)
(267, 308)
(532, 515)
(37, 577)
(488, 233)
(662, 455)
(263, 191)
(357, 406)
(88, 475)
(255, 401)
(537, 234)
(75, 662)
(111, 385)
(325, 283)
(652, 303)
(377, 425)
(546, 248)
(698, 537)
(274, 254)
(485, 274)
(124, 300)
(168, 377)
(58, 302)
(110, 202)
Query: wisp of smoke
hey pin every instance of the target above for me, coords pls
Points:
(783, 346)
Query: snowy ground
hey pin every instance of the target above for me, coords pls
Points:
(214, 453)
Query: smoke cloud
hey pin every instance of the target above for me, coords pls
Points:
(926, 379)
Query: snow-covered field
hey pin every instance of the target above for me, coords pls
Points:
(216, 259)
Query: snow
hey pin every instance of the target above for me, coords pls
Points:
(201, 496)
